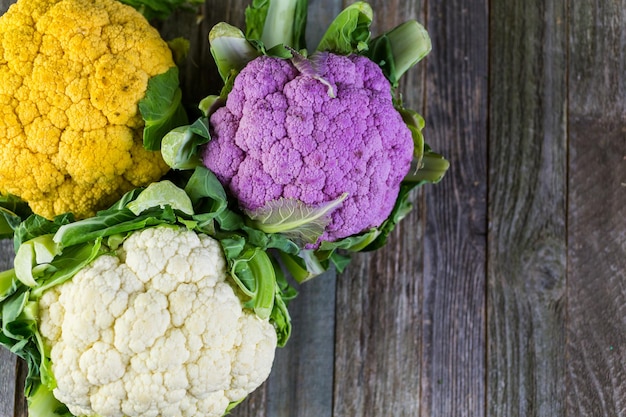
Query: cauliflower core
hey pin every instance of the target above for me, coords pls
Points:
(154, 331)
(281, 134)
(71, 75)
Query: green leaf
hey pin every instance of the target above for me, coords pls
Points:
(8, 221)
(122, 202)
(112, 222)
(8, 284)
(340, 261)
(233, 246)
(353, 243)
(283, 288)
(281, 321)
(68, 264)
(161, 108)
(210, 103)
(229, 220)
(201, 128)
(231, 406)
(36, 225)
(12, 310)
(38, 251)
(294, 219)
(282, 243)
(299, 17)
(230, 49)
(255, 14)
(94, 227)
(161, 194)
(399, 49)
(349, 32)
(206, 192)
(12, 211)
(45, 248)
(277, 22)
(180, 146)
(161, 9)
(42, 403)
(24, 262)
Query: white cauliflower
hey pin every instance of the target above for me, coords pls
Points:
(154, 329)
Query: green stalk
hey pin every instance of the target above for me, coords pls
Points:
(410, 43)
(278, 28)
(432, 169)
(399, 49)
(277, 22)
(263, 271)
(254, 274)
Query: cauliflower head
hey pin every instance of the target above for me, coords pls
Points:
(71, 75)
(282, 134)
(154, 330)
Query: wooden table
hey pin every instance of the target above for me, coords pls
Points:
(504, 291)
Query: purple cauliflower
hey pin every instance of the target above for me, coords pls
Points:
(285, 133)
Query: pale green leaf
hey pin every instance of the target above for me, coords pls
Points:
(294, 218)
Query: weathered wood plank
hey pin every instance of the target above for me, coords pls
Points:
(453, 376)
(596, 331)
(4, 5)
(8, 361)
(199, 76)
(21, 406)
(527, 241)
(379, 307)
(301, 383)
(7, 383)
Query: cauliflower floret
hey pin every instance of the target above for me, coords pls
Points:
(71, 75)
(155, 330)
(281, 134)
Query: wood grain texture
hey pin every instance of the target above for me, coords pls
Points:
(527, 240)
(503, 293)
(198, 74)
(379, 315)
(596, 328)
(9, 392)
(453, 378)
(21, 406)
(7, 383)
(301, 383)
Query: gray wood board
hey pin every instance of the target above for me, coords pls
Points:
(503, 293)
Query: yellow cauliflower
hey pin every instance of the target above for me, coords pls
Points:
(72, 73)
